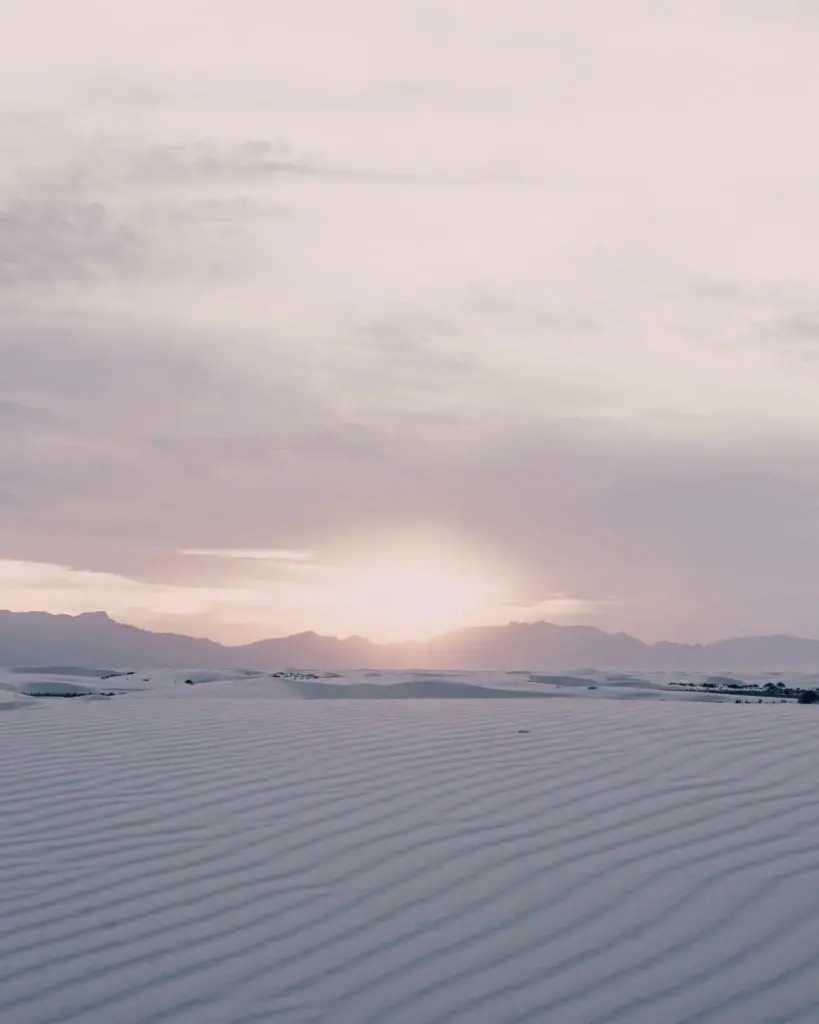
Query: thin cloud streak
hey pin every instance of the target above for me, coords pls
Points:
(252, 554)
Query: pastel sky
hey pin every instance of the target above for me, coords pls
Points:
(386, 316)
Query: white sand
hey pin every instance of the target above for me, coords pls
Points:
(205, 854)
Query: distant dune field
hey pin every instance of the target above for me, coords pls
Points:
(222, 848)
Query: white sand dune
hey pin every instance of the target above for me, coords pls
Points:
(200, 853)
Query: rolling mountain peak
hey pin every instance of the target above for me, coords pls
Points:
(94, 639)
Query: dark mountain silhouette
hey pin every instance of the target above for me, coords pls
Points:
(94, 640)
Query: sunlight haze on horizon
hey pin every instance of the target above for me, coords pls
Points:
(388, 317)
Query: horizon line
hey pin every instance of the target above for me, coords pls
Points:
(101, 612)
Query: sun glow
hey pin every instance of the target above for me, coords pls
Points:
(415, 595)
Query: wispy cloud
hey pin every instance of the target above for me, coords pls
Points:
(252, 554)
(57, 241)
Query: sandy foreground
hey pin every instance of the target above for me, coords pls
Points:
(248, 850)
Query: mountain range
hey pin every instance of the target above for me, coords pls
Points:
(94, 639)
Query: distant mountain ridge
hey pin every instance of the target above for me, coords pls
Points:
(94, 639)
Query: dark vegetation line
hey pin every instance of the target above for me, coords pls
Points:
(733, 689)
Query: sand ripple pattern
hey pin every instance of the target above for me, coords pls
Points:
(408, 862)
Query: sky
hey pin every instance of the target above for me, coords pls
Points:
(392, 316)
